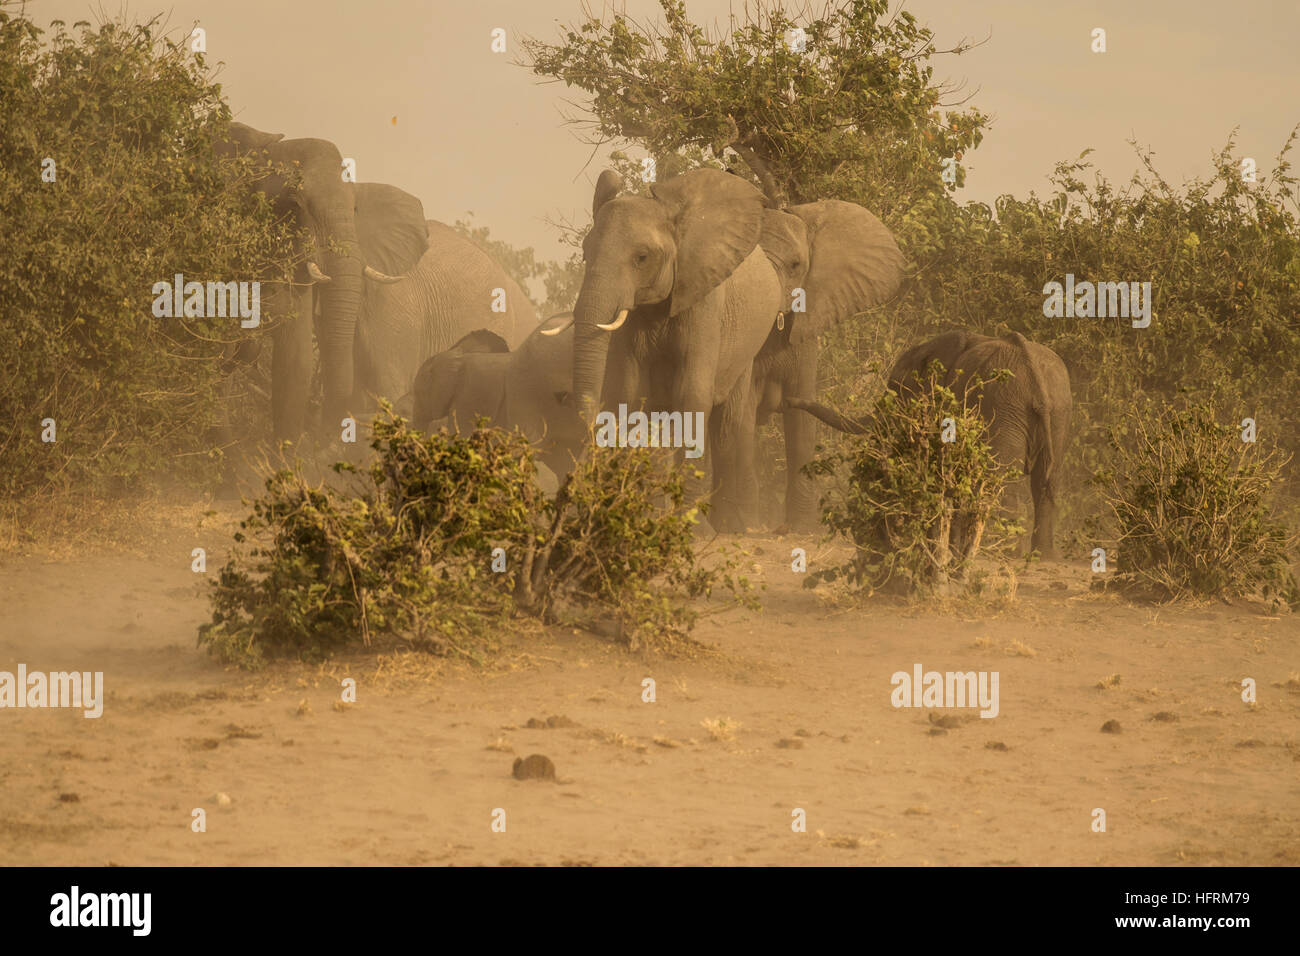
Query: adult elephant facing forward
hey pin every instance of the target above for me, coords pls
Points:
(351, 242)
(675, 303)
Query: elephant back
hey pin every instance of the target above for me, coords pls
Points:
(1040, 386)
(450, 293)
(471, 286)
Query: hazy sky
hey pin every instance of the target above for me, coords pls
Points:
(476, 132)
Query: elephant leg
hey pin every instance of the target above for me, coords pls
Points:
(291, 359)
(801, 441)
(735, 502)
(1010, 447)
(1059, 437)
(1044, 510)
(687, 387)
(716, 468)
(625, 381)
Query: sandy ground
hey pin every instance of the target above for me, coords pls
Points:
(413, 772)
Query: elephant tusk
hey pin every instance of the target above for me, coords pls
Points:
(559, 328)
(313, 270)
(616, 324)
(378, 276)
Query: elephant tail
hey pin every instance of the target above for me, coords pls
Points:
(825, 414)
(1040, 405)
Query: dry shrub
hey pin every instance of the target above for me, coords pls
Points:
(407, 554)
(1188, 504)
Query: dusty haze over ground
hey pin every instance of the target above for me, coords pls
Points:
(1133, 709)
(476, 132)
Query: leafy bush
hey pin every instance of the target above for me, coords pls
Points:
(407, 552)
(405, 549)
(128, 117)
(1223, 257)
(917, 509)
(621, 536)
(1188, 501)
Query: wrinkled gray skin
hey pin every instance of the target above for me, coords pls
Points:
(1028, 414)
(529, 388)
(846, 261)
(354, 243)
(449, 294)
(700, 298)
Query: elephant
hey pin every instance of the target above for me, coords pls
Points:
(356, 240)
(529, 388)
(676, 301)
(845, 261)
(1028, 414)
(453, 290)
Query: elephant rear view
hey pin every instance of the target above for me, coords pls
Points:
(460, 384)
(1028, 414)
(456, 288)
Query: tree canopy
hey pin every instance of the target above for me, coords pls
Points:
(848, 108)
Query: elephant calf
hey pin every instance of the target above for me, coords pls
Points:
(1028, 415)
(530, 388)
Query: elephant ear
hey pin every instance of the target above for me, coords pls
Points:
(609, 185)
(717, 221)
(391, 228)
(785, 241)
(855, 264)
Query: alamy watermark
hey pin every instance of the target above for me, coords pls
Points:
(1087, 300)
(651, 430)
(180, 299)
(75, 908)
(82, 689)
(948, 689)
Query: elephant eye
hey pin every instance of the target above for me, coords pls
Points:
(641, 257)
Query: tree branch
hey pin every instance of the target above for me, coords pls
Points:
(745, 150)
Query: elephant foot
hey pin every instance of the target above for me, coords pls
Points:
(799, 525)
(728, 522)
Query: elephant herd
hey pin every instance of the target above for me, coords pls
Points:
(696, 298)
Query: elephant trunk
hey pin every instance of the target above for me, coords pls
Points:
(595, 307)
(841, 423)
(340, 306)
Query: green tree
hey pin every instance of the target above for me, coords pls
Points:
(109, 184)
(855, 115)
